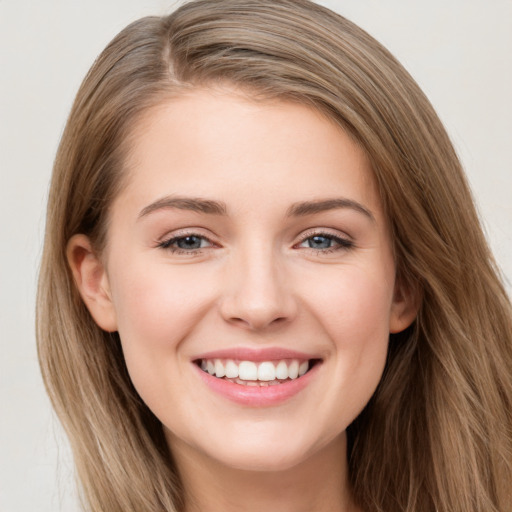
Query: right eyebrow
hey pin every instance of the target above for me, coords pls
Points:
(322, 205)
(194, 204)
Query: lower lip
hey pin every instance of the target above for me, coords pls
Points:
(257, 396)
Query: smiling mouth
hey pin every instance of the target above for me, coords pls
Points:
(263, 373)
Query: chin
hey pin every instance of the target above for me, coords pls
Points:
(273, 452)
(261, 460)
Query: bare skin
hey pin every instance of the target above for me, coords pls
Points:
(319, 486)
(257, 227)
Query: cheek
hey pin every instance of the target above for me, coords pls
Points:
(354, 315)
(360, 329)
(156, 310)
(360, 318)
(354, 304)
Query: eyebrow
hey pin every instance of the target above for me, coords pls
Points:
(311, 207)
(211, 207)
(186, 203)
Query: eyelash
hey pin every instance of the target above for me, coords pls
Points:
(168, 244)
(342, 244)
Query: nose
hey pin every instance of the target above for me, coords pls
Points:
(257, 292)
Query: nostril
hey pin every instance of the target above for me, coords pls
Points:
(257, 321)
(256, 299)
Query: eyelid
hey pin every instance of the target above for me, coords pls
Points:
(329, 232)
(167, 240)
(343, 240)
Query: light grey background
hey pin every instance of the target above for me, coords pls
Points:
(458, 50)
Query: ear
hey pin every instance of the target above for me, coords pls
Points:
(405, 307)
(92, 281)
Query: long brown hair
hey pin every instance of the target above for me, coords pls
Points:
(437, 434)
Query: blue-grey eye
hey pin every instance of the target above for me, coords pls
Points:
(319, 242)
(189, 242)
(186, 243)
(326, 243)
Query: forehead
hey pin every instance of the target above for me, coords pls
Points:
(223, 143)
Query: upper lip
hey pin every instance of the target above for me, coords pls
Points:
(256, 354)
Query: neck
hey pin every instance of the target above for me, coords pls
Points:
(318, 483)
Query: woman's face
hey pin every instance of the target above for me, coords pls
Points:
(249, 240)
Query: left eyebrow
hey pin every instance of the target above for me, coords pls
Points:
(198, 205)
(311, 207)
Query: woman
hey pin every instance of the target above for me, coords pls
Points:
(264, 282)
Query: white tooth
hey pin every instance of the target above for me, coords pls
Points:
(210, 367)
(251, 383)
(282, 370)
(247, 370)
(231, 369)
(303, 368)
(204, 366)
(274, 383)
(266, 371)
(219, 368)
(293, 369)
